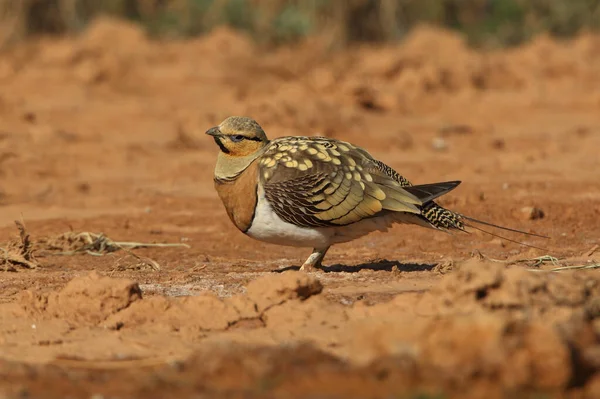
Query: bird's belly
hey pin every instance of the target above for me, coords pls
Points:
(267, 226)
(361, 228)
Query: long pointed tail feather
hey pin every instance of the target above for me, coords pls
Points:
(499, 227)
(506, 238)
(447, 220)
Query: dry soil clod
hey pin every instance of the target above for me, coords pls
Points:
(532, 213)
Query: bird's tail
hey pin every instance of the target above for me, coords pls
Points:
(444, 219)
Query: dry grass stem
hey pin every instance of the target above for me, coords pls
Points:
(592, 250)
(540, 260)
(18, 253)
(95, 244)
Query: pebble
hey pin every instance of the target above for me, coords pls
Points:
(532, 213)
(439, 144)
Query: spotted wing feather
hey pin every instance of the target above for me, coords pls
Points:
(319, 182)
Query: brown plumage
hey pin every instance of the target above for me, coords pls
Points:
(316, 191)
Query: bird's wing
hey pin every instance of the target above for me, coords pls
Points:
(383, 168)
(318, 182)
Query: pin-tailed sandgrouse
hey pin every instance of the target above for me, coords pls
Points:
(316, 191)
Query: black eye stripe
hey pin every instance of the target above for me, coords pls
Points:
(238, 137)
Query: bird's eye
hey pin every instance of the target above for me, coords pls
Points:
(236, 138)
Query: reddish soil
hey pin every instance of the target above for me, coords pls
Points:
(104, 133)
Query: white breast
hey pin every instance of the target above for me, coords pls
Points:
(267, 226)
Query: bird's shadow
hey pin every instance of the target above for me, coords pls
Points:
(382, 265)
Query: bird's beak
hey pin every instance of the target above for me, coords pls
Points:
(214, 131)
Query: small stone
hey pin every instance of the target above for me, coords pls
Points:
(456, 129)
(30, 117)
(498, 144)
(532, 213)
(439, 144)
(403, 141)
(582, 131)
(83, 187)
(499, 242)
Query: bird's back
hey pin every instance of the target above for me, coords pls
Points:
(320, 182)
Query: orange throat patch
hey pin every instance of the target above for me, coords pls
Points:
(239, 196)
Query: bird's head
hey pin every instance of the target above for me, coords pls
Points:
(239, 136)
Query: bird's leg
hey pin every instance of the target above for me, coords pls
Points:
(314, 260)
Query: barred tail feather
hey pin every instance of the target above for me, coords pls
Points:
(442, 218)
(447, 220)
(433, 215)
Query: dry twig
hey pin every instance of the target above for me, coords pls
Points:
(540, 260)
(592, 250)
(18, 253)
(95, 244)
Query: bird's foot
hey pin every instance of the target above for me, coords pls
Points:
(314, 260)
(310, 267)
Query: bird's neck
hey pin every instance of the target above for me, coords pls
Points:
(230, 167)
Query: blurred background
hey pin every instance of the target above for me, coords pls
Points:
(486, 23)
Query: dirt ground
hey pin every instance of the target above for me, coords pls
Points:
(104, 133)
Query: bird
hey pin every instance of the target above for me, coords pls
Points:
(315, 192)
